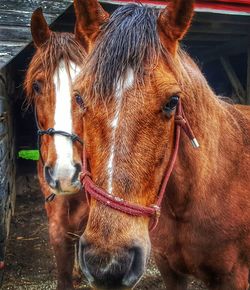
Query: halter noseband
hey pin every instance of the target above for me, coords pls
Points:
(52, 132)
(122, 205)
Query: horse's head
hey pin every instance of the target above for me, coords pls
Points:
(131, 92)
(48, 85)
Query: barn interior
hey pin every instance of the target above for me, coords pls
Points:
(219, 41)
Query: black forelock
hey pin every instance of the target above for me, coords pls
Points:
(129, 40)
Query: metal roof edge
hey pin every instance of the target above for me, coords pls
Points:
(198, 8)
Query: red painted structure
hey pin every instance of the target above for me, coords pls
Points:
(216, 5)
(230, 5)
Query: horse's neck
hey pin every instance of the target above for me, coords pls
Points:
(200, 172)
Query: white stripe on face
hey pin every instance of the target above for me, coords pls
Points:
(64, 167)
(122, 87)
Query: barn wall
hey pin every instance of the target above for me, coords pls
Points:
(15, 18)
(7, 159)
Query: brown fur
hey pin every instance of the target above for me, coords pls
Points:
(66, 214)
(88, 24)
(204, 229)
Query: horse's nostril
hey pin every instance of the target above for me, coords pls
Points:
(136, 269)
(78, 169)
(48, 173)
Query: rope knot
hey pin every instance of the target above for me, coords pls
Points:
(74, 137)
(179, 120)
(83, 175)
(51, 131)
(155, 217)
(157, 210)
(50, 197)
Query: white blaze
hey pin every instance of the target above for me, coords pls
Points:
(121, 88)
(63, 119)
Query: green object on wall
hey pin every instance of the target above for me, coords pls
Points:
(29, 154)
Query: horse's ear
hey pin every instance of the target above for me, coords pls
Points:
(39, 28)
(89, 17)
(174, 21)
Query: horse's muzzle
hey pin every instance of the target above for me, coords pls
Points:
(118, 271)
(67, 183)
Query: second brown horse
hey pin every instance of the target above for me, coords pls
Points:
(48, 83)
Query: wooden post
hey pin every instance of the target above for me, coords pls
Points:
(248, 74)
(239, 90)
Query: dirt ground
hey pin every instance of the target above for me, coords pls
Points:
(29, 260)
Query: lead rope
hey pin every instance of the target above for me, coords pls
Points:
(120, 204)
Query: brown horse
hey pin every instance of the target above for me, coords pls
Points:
(48, 85)
(134, 83)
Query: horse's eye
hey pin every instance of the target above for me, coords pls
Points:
(79, 100)
(171, 105)
(37, 87)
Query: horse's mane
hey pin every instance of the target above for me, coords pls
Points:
(60, 46)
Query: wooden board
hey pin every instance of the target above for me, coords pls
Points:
(7, 163)
(15, 18)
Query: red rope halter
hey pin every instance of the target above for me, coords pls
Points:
(122, 205)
